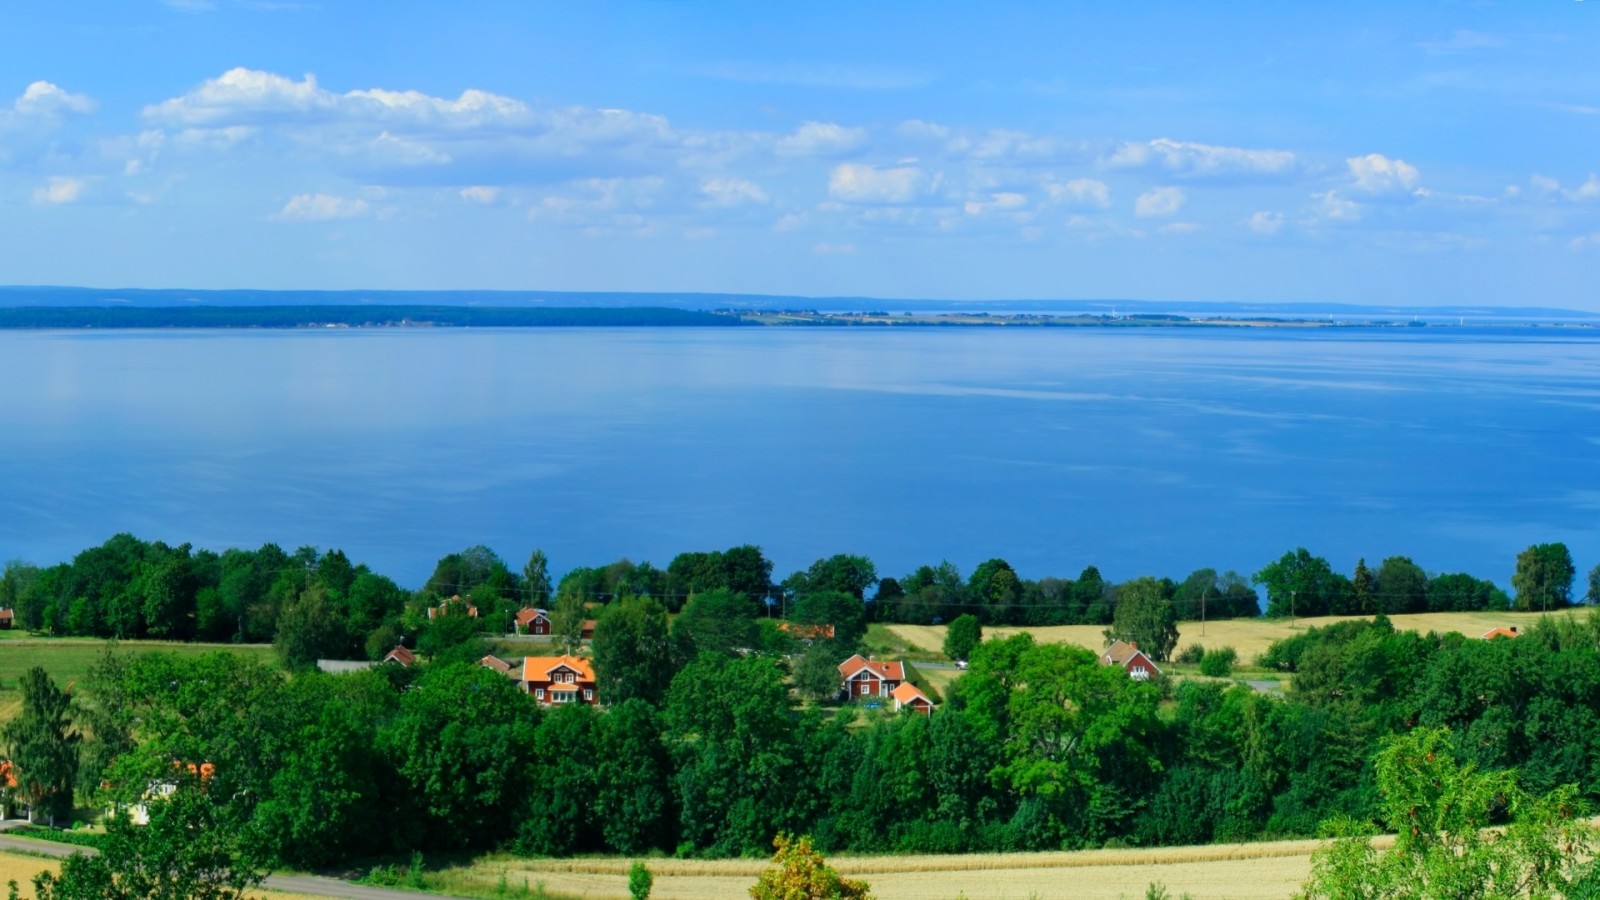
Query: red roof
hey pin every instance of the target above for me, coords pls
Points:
(1508, 631)
(8, 774)
(497, 664)
(891, 671)
(5, 614)
(807, 632)
(400, 655)
(528, 614)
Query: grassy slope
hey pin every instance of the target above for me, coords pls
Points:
(1248, 636)
(68, 659)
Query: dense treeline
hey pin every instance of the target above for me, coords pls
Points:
(1037, 746)
(317, 603)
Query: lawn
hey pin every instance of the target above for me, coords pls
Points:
(1249, 637)
(68, 659)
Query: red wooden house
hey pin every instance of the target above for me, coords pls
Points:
(861, 677)
(1133, 660)
(533, 621)
(7, 617)
(555, 680)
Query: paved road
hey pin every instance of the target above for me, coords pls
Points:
(297, 884)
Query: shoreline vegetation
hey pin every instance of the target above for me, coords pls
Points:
(297, 316)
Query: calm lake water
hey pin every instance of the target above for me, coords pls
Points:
(1139, 451)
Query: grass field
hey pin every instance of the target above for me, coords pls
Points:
(68, 659)
(1248, 636)
(1237, 871)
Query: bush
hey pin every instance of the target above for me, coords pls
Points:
(639, 881)
(1218, 663)
(1190, 654)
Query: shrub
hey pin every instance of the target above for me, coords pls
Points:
(639, 881)
(1218, 663)
(800, 873)
(1190, 654)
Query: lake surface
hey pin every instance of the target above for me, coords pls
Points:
(1141, 451)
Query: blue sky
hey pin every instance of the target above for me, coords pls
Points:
(1418, 153)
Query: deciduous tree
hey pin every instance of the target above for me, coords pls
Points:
(1543, 578)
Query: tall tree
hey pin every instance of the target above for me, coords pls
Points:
(1300, 584)
(536, 580)
(1364, 585)
(842, 572)
(310, 629)
(963, 636)
(1402, 586)
(1593, 597)
(43, 746)
(632, 652)
(566, 622)
(716, 621)
(1543, 578)
(1146, 617)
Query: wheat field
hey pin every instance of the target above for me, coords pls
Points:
(1250, 637)
(1262, 871)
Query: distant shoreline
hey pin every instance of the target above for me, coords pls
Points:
(34, 318)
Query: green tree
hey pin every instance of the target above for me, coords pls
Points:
(536, 580)
(639, 881)
(816, 674)
(1145, 616)
(715, 621)
(1402, 586)
(1300, 584)
(43, 746)
(799, 872)
(842, 572)
(845, 612)
(995, 590)
(1364, 587)
(632, 652)
(1439, 810)
(566, 622)
(963, 635)
(310, 629)
(1593, 596)
(190, 850)
(1218, 663)
(1543, 578)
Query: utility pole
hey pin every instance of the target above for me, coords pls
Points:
(1203, 610)
(1291, 607)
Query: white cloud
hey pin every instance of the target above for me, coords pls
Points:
(58, 190)
(1082, 193)
(855, 183)
(1332, 206)
(479, 193)
(1189, 158)
(322, 208)
(1585, 242)
(1004, 201)
(732, 192)
(1378, 174)
(1545, 186)
(1266, 222)
(834, 249)
(44, 98)
(1463, 40)
(821, 139)
(1159, 203)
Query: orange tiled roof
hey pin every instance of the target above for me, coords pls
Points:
(893, 671)
(908, 692)
(8, 774)
(538, 668)
(497, 664)
(1119, 652)
(529, 613)
(1501, 631)
(400, 655)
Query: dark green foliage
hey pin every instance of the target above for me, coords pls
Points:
(716, 621)
(1402, 586)
(1299, 584)
(43, 745)
(632, 652)
(193, 849)
(639, 881)
(1146, 616)
(963, 636)
(1218, 663)
(845, 612)
(1543, 579)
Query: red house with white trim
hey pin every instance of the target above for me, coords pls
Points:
(552, 680)
(1133, 660)
(531, 620)
(862, 677)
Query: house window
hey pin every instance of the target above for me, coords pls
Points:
(588, 695)
(538, 694)
(1140, 672)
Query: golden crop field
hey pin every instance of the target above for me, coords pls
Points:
(1248, 636)
(1264, 871)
